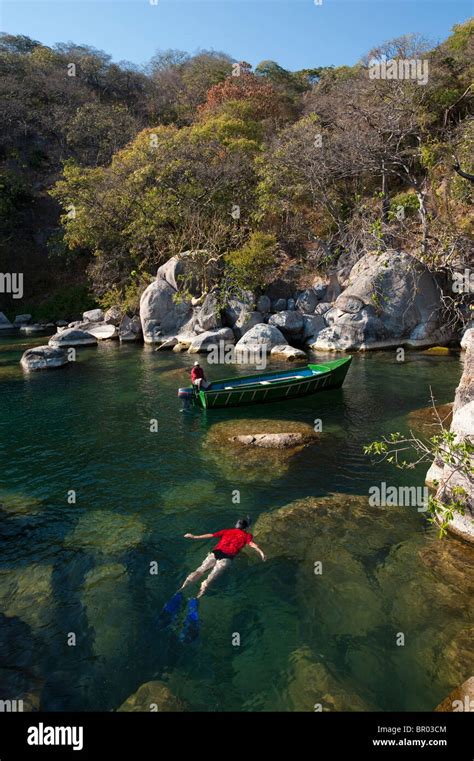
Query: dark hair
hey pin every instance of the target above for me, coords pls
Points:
(244, 523)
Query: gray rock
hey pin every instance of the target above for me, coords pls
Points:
(279, 305)
(72, 337)
(348, 303)
(306, 301)
(113, 316)
(467, 341)
(160, 313)
(261, 335)
(246, 322)
(21, 319)
(202, 343)
(209, 317)
(289, 322)
(31, 330)
(313, 324)
(130, 329)
(264, 304)
(103, 331)
(93, 315)
(43, 358)
(322, 307)
(5, 323)
(61, 323)
(177, 272)
(285, 351)
(238, 307)
(291, 304)
(391, 299)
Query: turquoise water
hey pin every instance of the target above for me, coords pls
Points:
(81, 571)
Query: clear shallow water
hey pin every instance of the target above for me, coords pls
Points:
(84, 568)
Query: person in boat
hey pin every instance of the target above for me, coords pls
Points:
(231, 542)
(198, 378)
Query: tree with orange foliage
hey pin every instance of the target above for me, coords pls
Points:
(264, 100)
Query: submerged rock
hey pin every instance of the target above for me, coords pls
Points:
(312, 684)
(426, 419)
(460, 699)
(194, 493)
(27, 592)
(275, 440)
(18, 503)
(43, 358)
(152, 696)
(108, 604)
(106, 533)
(253, 463)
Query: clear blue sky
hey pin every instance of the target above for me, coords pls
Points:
(296, 33)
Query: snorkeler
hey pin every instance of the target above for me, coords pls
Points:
(232, 540)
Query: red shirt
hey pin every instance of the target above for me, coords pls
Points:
(197, 372)
(232, 540)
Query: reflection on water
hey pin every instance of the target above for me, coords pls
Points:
(93, 503)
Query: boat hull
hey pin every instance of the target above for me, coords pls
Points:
(273, 387)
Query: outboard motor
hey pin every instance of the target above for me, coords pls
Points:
(186, 395)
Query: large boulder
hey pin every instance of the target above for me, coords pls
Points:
(177, 272)
(246, 322)
(72, 337)
(43, 358)
(238, 308)
(449, 478)
(313, 324)
(161, 313)
(391, 299)
(93, 315)
(209, 317)
(203, 342)
(307, 301)
(5, 323)
(260, 335)
(467, 341)
(289, 322)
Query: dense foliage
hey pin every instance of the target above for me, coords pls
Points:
(201, 152)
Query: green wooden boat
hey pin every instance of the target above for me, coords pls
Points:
(269, 387)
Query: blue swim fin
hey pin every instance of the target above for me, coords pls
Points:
(170, 610)
(190, 630)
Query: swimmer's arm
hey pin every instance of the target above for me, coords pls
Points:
(201, 536)
(257, 549)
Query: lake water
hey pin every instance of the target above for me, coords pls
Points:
(81, 571)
